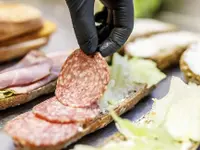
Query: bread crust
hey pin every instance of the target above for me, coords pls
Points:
(101, 121)
(24, 98)
(189, 75)
(18, 19)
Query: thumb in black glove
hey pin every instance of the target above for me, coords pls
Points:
(116, 25)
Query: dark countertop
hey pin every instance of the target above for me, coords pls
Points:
(64, 39)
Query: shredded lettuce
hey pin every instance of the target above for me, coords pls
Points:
(176, 123)
(138, 138)
(6, 93)
(124, 74)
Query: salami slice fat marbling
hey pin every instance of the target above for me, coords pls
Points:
(82, 80)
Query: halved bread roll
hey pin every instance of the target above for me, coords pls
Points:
(165, 48)
(17, 19)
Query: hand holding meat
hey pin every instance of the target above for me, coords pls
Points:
(113, 31)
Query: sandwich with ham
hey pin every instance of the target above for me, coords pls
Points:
(22, 29)
(87, 89)
(33, 76)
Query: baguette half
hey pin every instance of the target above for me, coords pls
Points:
(24, 98)
(137, 93)
(162, 48)
(189, 64)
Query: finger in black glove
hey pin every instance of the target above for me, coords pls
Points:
(116, 25)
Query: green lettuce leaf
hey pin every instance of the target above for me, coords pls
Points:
(138, 138)
(124, 74)
(179, 111)
(6, 93)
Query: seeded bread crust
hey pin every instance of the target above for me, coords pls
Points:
(24, 98)
(145, 119)
(189, 75)
(139, 92)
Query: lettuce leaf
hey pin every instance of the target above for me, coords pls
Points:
(179, 111)
(124, 74)
(6, 93)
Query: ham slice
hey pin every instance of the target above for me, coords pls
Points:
(24, 76)
(58, 58)
(33, 57)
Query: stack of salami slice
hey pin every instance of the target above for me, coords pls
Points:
(81, 83)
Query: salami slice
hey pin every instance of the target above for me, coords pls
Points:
(53, 111)
(82, 80)
(30, 130)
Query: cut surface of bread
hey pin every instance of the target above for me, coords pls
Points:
(189, 63)
(165, 48)
(18, 19)
(138, 92)
(23, 98)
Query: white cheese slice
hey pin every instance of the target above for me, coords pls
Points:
(192, 58)
(160, 43)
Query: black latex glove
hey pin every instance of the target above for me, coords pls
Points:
(116, 25)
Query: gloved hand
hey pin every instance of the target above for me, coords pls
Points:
(116, 25)
(6, 142)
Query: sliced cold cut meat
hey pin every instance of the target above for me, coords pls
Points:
(56, 67)
(33, 57)
(82, 80)
(24, 76)
(31, 130)
(53, 111)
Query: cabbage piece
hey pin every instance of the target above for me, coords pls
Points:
(179, 111)
(125, 71)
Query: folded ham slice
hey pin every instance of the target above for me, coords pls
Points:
(24, 76)
(32, 58)
(58, 58)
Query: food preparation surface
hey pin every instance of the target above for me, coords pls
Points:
(64, 39)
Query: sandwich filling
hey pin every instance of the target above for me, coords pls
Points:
(53, 114)
(161, 44)
(26, 75)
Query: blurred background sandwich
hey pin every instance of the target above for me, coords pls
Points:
(22, 29)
